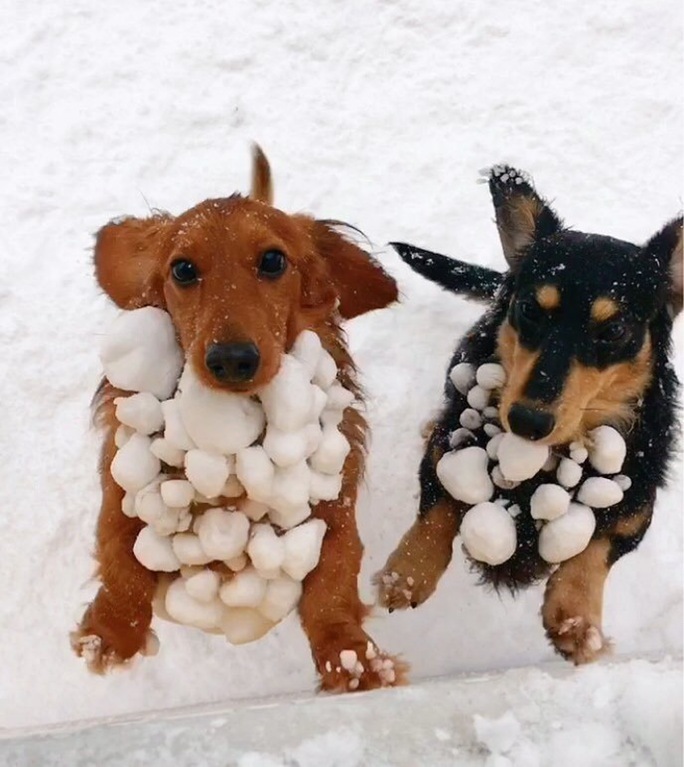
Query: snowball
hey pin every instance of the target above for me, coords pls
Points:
(324, 487)
(314, 434)
(569, 473)
(568, 535)
(578, 452)
(141, 412)
(140, 352)
(204, 585)
(207, 472)
(286, 448)
(149, 505)
(174, 430)
(167, 453)
(244, 624)
(463, 473)
(128, 505)
(245, 589)
(237, 563)
(491, 375)
(348, 659)
(288, 398)
(289, 516)
(307, 350)
(607, 450)
(155, 552)
(217, 420)
(500, 481)
(331, 454)
(491, 429)
(303, 548)
(170, 521)
(549, 502)
(488, 533)
(188, 549)
(491, 412)
(459, 437)
(192, 612)
(519, 458)
(122, 435)
(470, 419)
(291, 487)
(493, 445)
(326, 371)
(462, 376)
(134, 466)
(177, 493)
(223, 534)
(332, 417)
(623, 482)
(319, 403)
(338, 398)
(478, 398)
(599, 492)
(253, 509)
(256, 472)
(282, 595)
(266, 550)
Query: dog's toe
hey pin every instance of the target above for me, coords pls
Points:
(579, 640)
(363, 667)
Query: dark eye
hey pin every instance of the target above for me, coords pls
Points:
(611, 332)
(529, 311)
(184, 272)
(273, 263)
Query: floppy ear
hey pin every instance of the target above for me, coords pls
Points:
(262, 183)
(358, 280)
(666, 249)
(522, 216)
(128, 254)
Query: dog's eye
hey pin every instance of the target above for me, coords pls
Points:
(529, 311)
(184, 272)
(273, 263)
(612, 332)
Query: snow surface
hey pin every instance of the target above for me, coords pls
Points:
(380, 118)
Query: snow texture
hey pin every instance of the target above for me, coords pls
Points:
(107, 106)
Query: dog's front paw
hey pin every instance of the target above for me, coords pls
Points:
(506, 181)
(403, 584)
(360, 666)
(101, 656)
(578, 640)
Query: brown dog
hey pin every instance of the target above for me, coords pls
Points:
(240, 280)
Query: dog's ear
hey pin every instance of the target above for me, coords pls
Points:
(522, 216)
(666, 249)
(354, 277)
(128, 256)
(262, 182)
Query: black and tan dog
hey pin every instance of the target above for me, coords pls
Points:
(582, 325)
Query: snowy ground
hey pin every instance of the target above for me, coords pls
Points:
(379, 116)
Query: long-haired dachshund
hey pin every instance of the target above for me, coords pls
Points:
(242, 277)
(582, 326)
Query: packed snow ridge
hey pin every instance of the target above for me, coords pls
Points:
(481, 477)
(224, 483)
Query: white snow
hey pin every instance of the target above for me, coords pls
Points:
(140, 352)
(303, 548)
(189, 550)
(203, 585)
(478, 397)
(134, 466)
(190, 611)
(289, 398)
(223, 534)
(282, 594)
(491, 375)
(606, 450)
(245, 589)
(549, 502)
(599, 492)
(519, 458)
(155, 551)
(567, 535)
(207, 472)
(266, 550)
(569, 472)
(93, 129)
(464, 474)
(462, 376)
(141, 412)
(488, 533)
(177, 493)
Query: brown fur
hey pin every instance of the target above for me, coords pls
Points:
(224, 239)
(548, 297)
(517, 223)
(603, 309)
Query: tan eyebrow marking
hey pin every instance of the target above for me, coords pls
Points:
(603, 309)
(548, 297)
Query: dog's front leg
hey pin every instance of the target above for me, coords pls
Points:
(572, 612)
(116, 625)
(332, 612)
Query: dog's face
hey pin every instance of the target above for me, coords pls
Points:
(576, 343)
(239, 278)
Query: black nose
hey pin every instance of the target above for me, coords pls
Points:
(233, 362)
(529, 423)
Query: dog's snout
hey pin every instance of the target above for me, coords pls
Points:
(530, 423)
(233, 363)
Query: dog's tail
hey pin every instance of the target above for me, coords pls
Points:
(469, 280)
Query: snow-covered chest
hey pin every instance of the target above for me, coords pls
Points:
(501, 476)
(224, 483)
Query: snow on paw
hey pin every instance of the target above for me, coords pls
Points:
(100, 657)
(361, 667)
(578, 640)
(397, 590)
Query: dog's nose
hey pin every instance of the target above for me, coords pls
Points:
(233, 362)
(529, 423)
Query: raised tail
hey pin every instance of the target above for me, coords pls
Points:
(469, 280)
